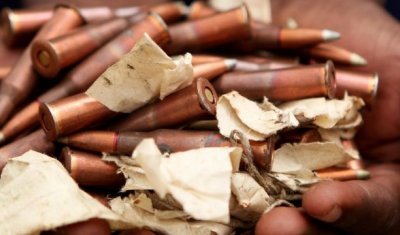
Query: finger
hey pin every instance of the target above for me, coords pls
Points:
(93, 226)
(137, 232)
(286, 220)
(359, 207)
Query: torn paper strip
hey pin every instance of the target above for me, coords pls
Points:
(249, 199)
(256, 121)
(299, 182)
(140, 76)
(198, 179)
(136, 217)
(37, 194)
(134, 175)
(339, 136)
(326, 113)
(312, 156)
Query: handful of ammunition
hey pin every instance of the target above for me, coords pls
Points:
(73, 46)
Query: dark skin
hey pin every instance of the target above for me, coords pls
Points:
(355, 207)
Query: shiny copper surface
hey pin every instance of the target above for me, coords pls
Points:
(36, 141)
(22, 79)
(281, 84)
(191, 36)
(88, 169)
(361, 84)
(194, 102)
(167, 140)
(71, 114)
(51, 55)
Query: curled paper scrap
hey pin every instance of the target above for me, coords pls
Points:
(256, 121)
(292, 159)
(327, 113)
(141, 76)
(37, 194)
(198, 179)
(138, 212)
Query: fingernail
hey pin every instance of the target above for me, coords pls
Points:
(330, 217)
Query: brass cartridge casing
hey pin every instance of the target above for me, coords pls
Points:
(21, 25)
(204, 33)
(21, 80)
(71, 114)
(81, 77)
(342, 174)
(88, 169)
(35, 141)
(197, 101)
(361, 84)
(167, 140)
(264, 36)
(51, 55)
(281, 84)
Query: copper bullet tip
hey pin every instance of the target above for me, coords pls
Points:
(330, 35)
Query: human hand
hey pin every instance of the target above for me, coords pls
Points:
(357, 207)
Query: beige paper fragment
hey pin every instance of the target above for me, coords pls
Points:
(299, 182)
(135, 217)
(256, 121)
(251, 199)
(353, 117)
(134, 175)
(141, 76)
(327, 113)
(37, 194)
(259, 10)
(336, 136)
(198, 179)
(312, 156)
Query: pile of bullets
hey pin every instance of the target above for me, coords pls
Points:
(43, 106)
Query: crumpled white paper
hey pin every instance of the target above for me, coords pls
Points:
(37, 194)
(250, 199)
(199, 179)
(327, 113)
(137, 215)
(141, 76)
(256, 121)
(312, 156)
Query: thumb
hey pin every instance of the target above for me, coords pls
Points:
(359, 207)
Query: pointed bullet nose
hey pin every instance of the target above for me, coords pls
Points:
(330, 35)
(356, 59)
(230, 63)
